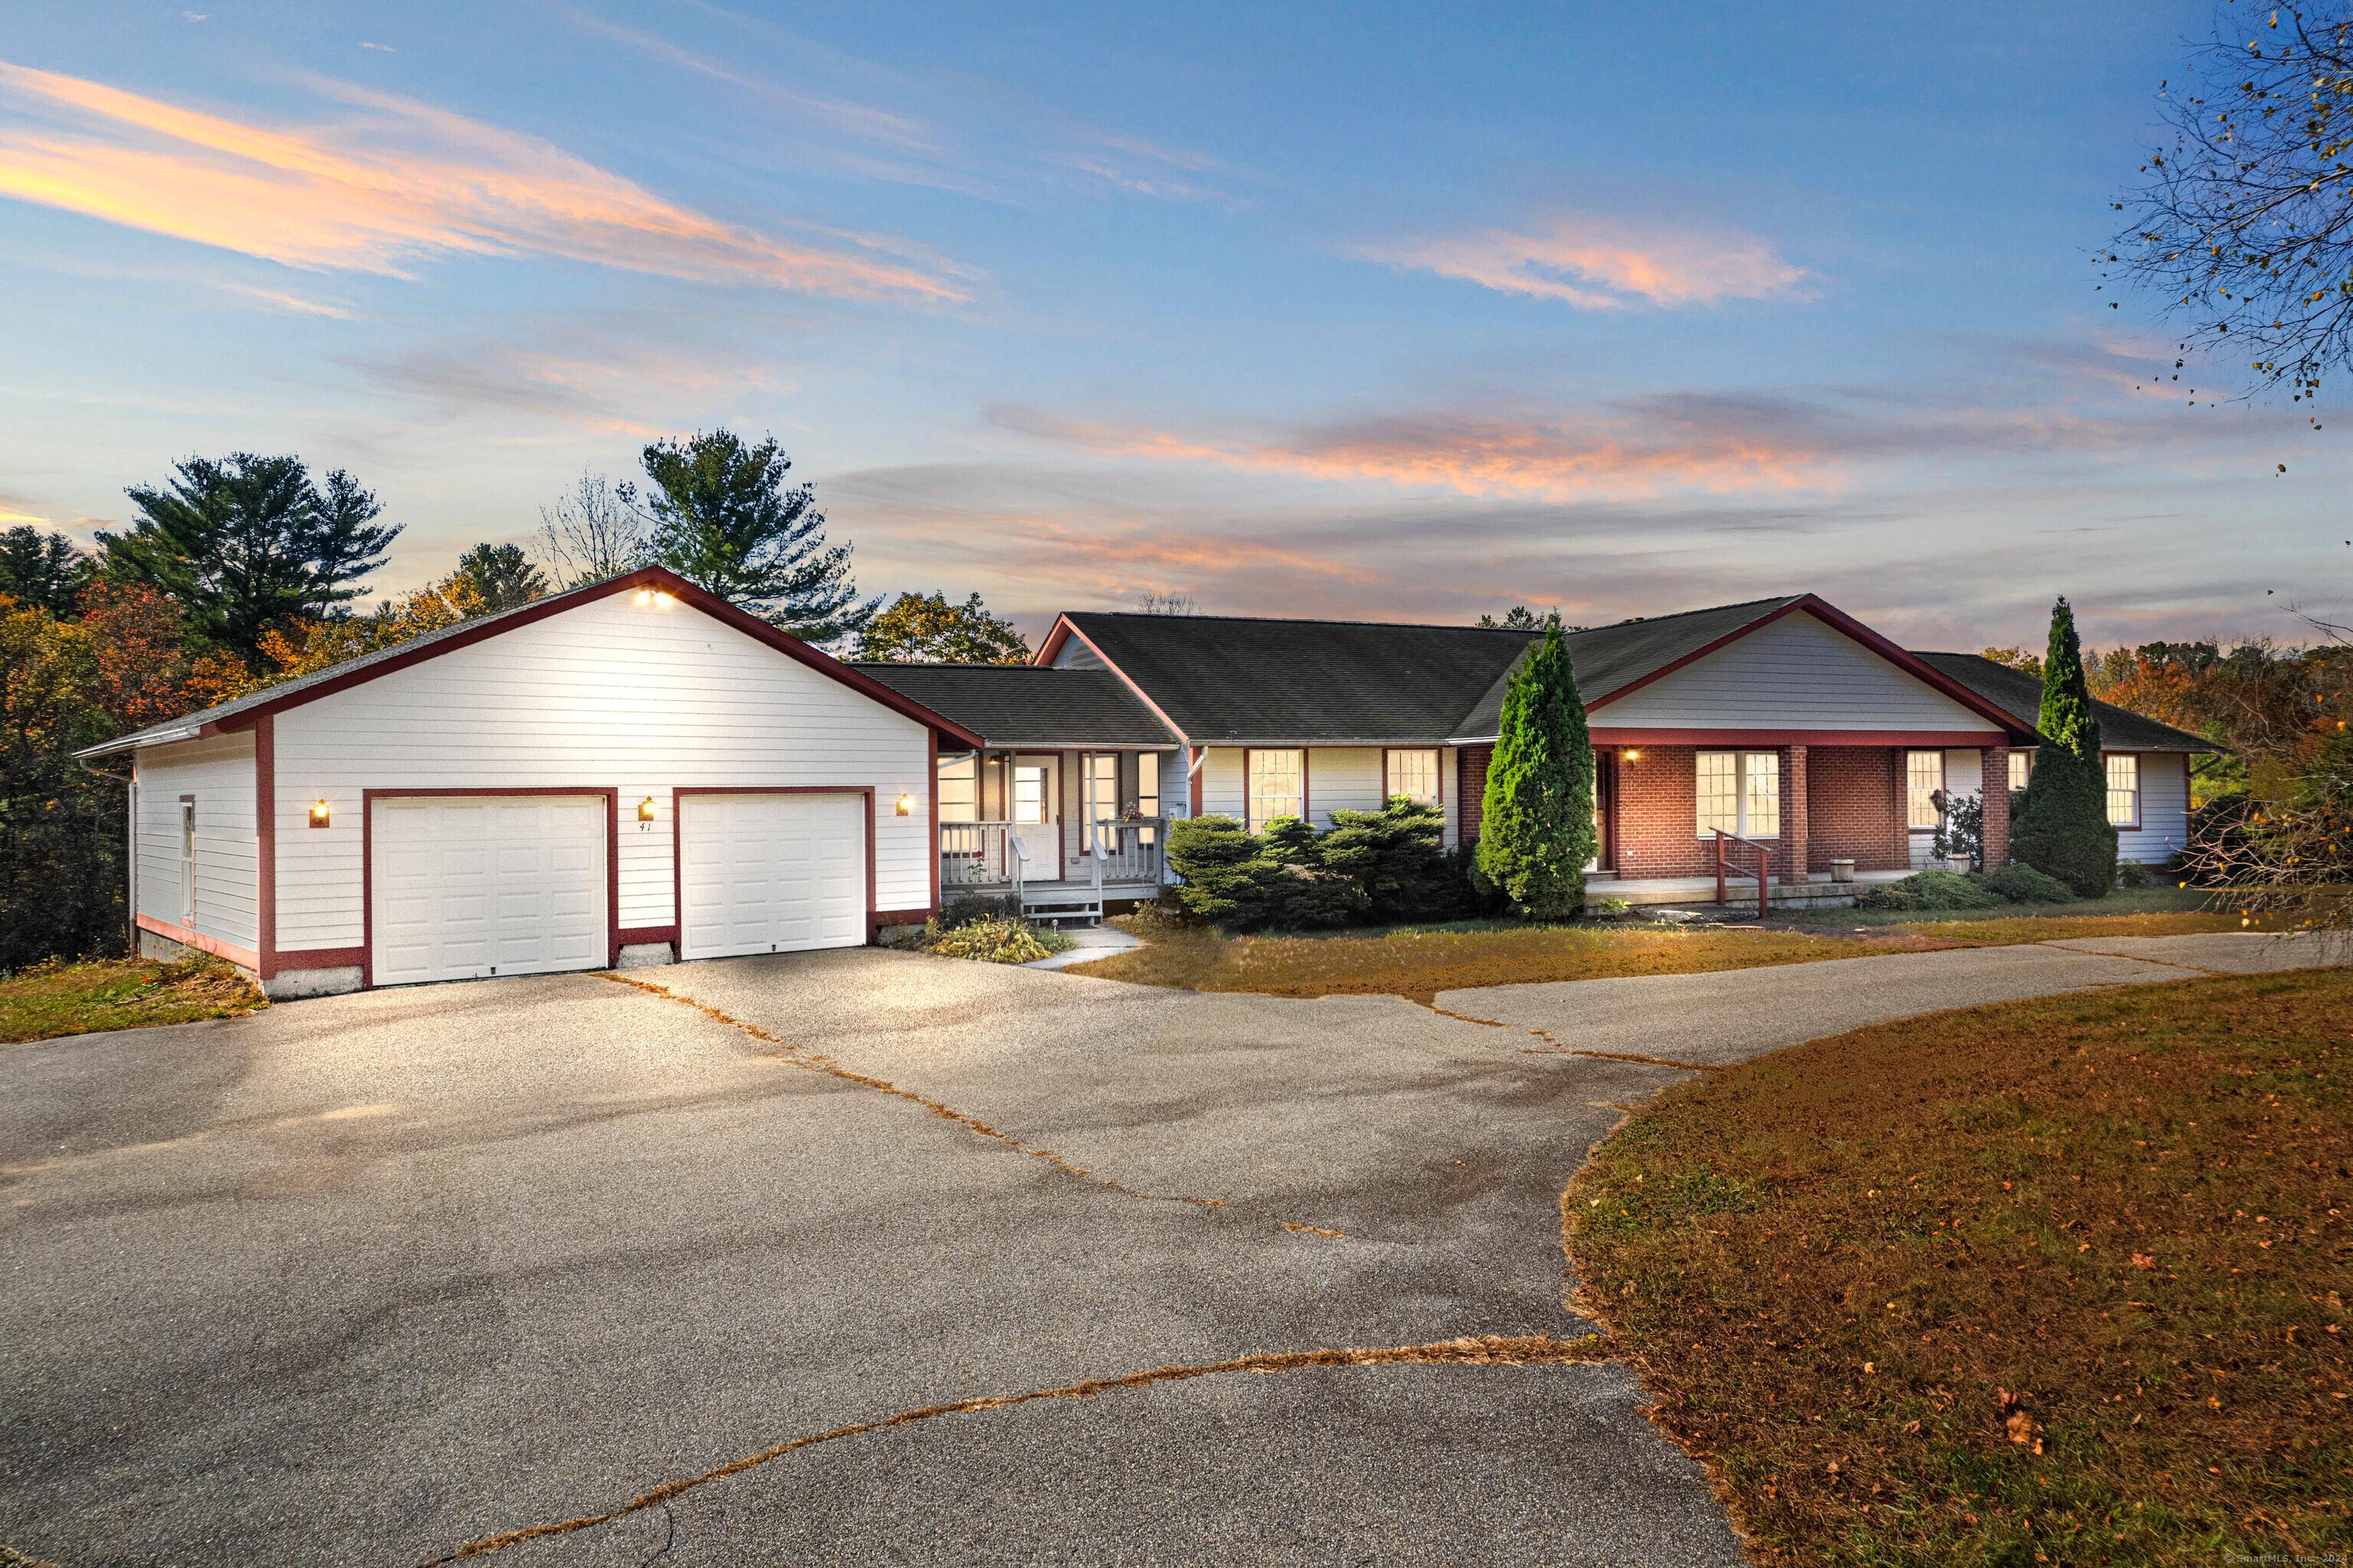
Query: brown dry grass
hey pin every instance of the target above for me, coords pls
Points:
(1420, 964)
(50, 999)
(2057, 1282)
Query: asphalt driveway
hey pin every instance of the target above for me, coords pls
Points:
(368, 1278)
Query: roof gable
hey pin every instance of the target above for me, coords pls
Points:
(1790, 671)
(249, 708)
(1030, 705)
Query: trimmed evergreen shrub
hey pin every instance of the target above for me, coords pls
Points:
(2132, 874)
(1536, 831)
(2063, 828)
(1392, 855)
(1227, 878)
(1930, 890)
(2024, 884)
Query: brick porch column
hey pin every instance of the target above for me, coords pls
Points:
(1994, 784)
(1900, 853)
(1793, 824)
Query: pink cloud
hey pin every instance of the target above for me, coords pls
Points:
(1598, 265)
(397, 181)
(1564, 456)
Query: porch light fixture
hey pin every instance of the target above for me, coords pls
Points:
(645, 596)
(646, 810)
(318, 814)
(1633, 757)
(906, 804)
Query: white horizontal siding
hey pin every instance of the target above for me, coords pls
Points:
(2164, 809)
(1342, 779)
(219, 774)
(641, 698)
(1795, 673)
(1448, 787)
(1222, 784)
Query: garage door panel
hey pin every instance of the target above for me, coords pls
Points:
(764, 874)
(470, 887)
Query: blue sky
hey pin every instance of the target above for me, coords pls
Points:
(1348, 310)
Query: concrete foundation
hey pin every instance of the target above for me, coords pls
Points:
(647, 955)
(295, 984)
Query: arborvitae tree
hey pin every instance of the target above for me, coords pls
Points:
(2062, 828)
(1536, 832)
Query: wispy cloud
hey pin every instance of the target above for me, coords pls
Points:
(608, 375)
(1600, 265)
(397, 180)
(294, 302)
(1590, 454)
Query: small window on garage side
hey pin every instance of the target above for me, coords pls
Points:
(2123, 790)
(188, 863)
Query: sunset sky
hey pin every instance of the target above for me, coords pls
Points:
(1345, 311)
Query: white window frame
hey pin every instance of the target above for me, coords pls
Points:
(1254, 819)
(1148, 783)
(1391, 784)
(1749, 770)
(1098, 787)
(188, 861)
(1043, 775)
(2021, 767)
(960, 789)
(1918, 803)
(2126, 765)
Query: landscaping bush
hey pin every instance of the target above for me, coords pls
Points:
(2064, 827)
(1384, 866)
(1537, 814)
(1931, 890)
(963, 908)
(2024, 884)
(2132, 874)
(993, 940)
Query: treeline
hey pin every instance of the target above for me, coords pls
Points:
(241, 572)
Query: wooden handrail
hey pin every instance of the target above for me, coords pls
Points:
(1764, 870)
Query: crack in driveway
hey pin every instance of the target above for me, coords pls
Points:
(816, 1061)
(1491, 1349)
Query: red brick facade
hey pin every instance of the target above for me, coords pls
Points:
(1996, 785)
(1856, 799)
(1471, 787)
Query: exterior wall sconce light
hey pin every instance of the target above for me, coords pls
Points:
(646, 810)
(645, 596)
(906, 804)
(318, 814)
(1633, 757)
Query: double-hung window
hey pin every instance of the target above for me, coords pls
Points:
(2021, 764)
(2124, 789)
(1148, 783)
(1740, 793)
(1103, 789)
(1414, 775)
(1923, 776)
(1278, 787)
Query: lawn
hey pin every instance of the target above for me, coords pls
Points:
(2055, 1282)
(1420, 963)
(49, 999)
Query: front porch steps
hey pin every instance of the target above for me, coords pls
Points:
(1083, 904)
(1817, 891)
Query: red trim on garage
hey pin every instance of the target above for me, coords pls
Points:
(934, 832)
(678, 853)
(368, 798)
(1917, 739)
(322, 959)
(637, 936)
(197, 939)
(265, 868)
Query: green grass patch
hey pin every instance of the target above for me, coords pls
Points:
(53, 998)
(2058, 1282)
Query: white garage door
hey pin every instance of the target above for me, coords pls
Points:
(770, 873)
(497, 886)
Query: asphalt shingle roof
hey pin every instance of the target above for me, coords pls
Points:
(2020, 694)
(1024, 705)
(1225, 680)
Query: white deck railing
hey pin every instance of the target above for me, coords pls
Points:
(996, 855)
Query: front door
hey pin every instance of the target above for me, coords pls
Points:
(1038, 815)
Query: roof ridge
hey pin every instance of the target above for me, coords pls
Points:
(1303, 621)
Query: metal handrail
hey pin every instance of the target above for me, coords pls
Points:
(1764, 869)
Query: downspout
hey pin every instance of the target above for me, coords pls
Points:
(130, 847)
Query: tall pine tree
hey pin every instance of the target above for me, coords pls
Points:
(1536, 829)
(2062, 828)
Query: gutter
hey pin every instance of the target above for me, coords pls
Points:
(144, 737)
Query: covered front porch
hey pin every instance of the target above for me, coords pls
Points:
(1125, 859)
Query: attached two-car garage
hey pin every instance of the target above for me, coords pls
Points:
(473, 887)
